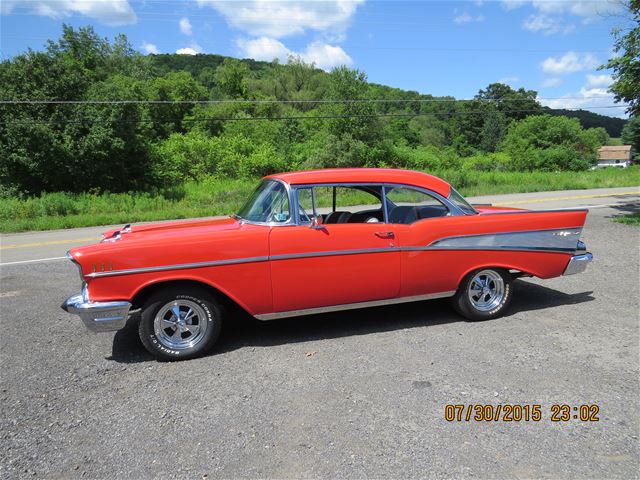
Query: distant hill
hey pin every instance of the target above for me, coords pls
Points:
(612, 125)
(195, 64)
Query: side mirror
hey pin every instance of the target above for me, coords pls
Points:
(316, 223)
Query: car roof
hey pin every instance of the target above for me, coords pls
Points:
(366, 175)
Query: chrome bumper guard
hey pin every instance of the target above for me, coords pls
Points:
(98, 316)
(578, 264)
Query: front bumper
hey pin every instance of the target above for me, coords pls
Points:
(98, 316)
(578, 263)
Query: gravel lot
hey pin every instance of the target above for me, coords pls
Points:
(353, 394)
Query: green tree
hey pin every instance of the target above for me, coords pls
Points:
(231, 78)
(493, 131)
(626, 63)
(176, 87)
(545, 142)
(514, 104)
(631, 134)
(44, 145)
(352, 117)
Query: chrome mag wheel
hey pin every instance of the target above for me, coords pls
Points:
(486, 290)
(180, 324)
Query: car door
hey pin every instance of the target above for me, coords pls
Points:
(418, 217)
(333, 263)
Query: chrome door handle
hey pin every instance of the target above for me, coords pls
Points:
(384, 234)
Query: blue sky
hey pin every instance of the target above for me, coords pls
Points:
(437, 47)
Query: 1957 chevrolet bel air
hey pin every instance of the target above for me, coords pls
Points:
(317, 241)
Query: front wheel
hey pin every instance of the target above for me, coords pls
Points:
(484, 294)
(177, 323)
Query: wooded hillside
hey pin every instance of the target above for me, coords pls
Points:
(87, 114)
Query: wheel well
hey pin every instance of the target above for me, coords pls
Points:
(514, 272)
(141, 297)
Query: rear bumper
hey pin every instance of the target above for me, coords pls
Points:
(578, 263)
(98, 316)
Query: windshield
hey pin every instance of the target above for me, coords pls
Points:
(268, 203)
(461, 203)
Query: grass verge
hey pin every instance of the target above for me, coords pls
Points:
(213, 196)
(631, 219)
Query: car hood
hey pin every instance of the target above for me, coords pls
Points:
(172, 243)
(138, 232)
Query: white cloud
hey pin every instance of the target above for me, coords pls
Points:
(277, 19)
(552, 82)
(264, 48)
(326, 56)
(323, 55)
(587, 9)
(582, 8)
(599, 80)
(464, 17)
(546, 25)
(194, 49)
(185, 26)
(109, 12)
(597, 100)
(509, 80)
(186, 51)
(513, 4)
(551, 16)
(149, 48)
(570, 62)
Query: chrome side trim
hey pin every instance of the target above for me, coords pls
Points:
(333, 253)
(516, 212)
(353, 306)
(560, 239)
(492, 249)
(181, 266)
(328, 253)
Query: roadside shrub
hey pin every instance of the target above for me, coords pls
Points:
(184, 157)
(265, 160)
(548, 143)
(488, 163)
(426, 157)
(348, 152)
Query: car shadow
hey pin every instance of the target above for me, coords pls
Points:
(625, 209)
(245, 331)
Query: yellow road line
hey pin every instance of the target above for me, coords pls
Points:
(55, 242)
(576, 197)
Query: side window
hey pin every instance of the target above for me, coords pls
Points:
(407, 205)
(349, 204)
(305, 204)
(340, 204)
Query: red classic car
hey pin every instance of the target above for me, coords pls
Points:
(318, 241)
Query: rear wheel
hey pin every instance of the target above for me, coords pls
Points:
(178, 323)
(484, 294)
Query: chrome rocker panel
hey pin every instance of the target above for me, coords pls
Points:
(98, 316)
(578, 263)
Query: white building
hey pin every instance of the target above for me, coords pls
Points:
(614, 156)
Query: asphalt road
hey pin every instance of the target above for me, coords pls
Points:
(352, 394)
